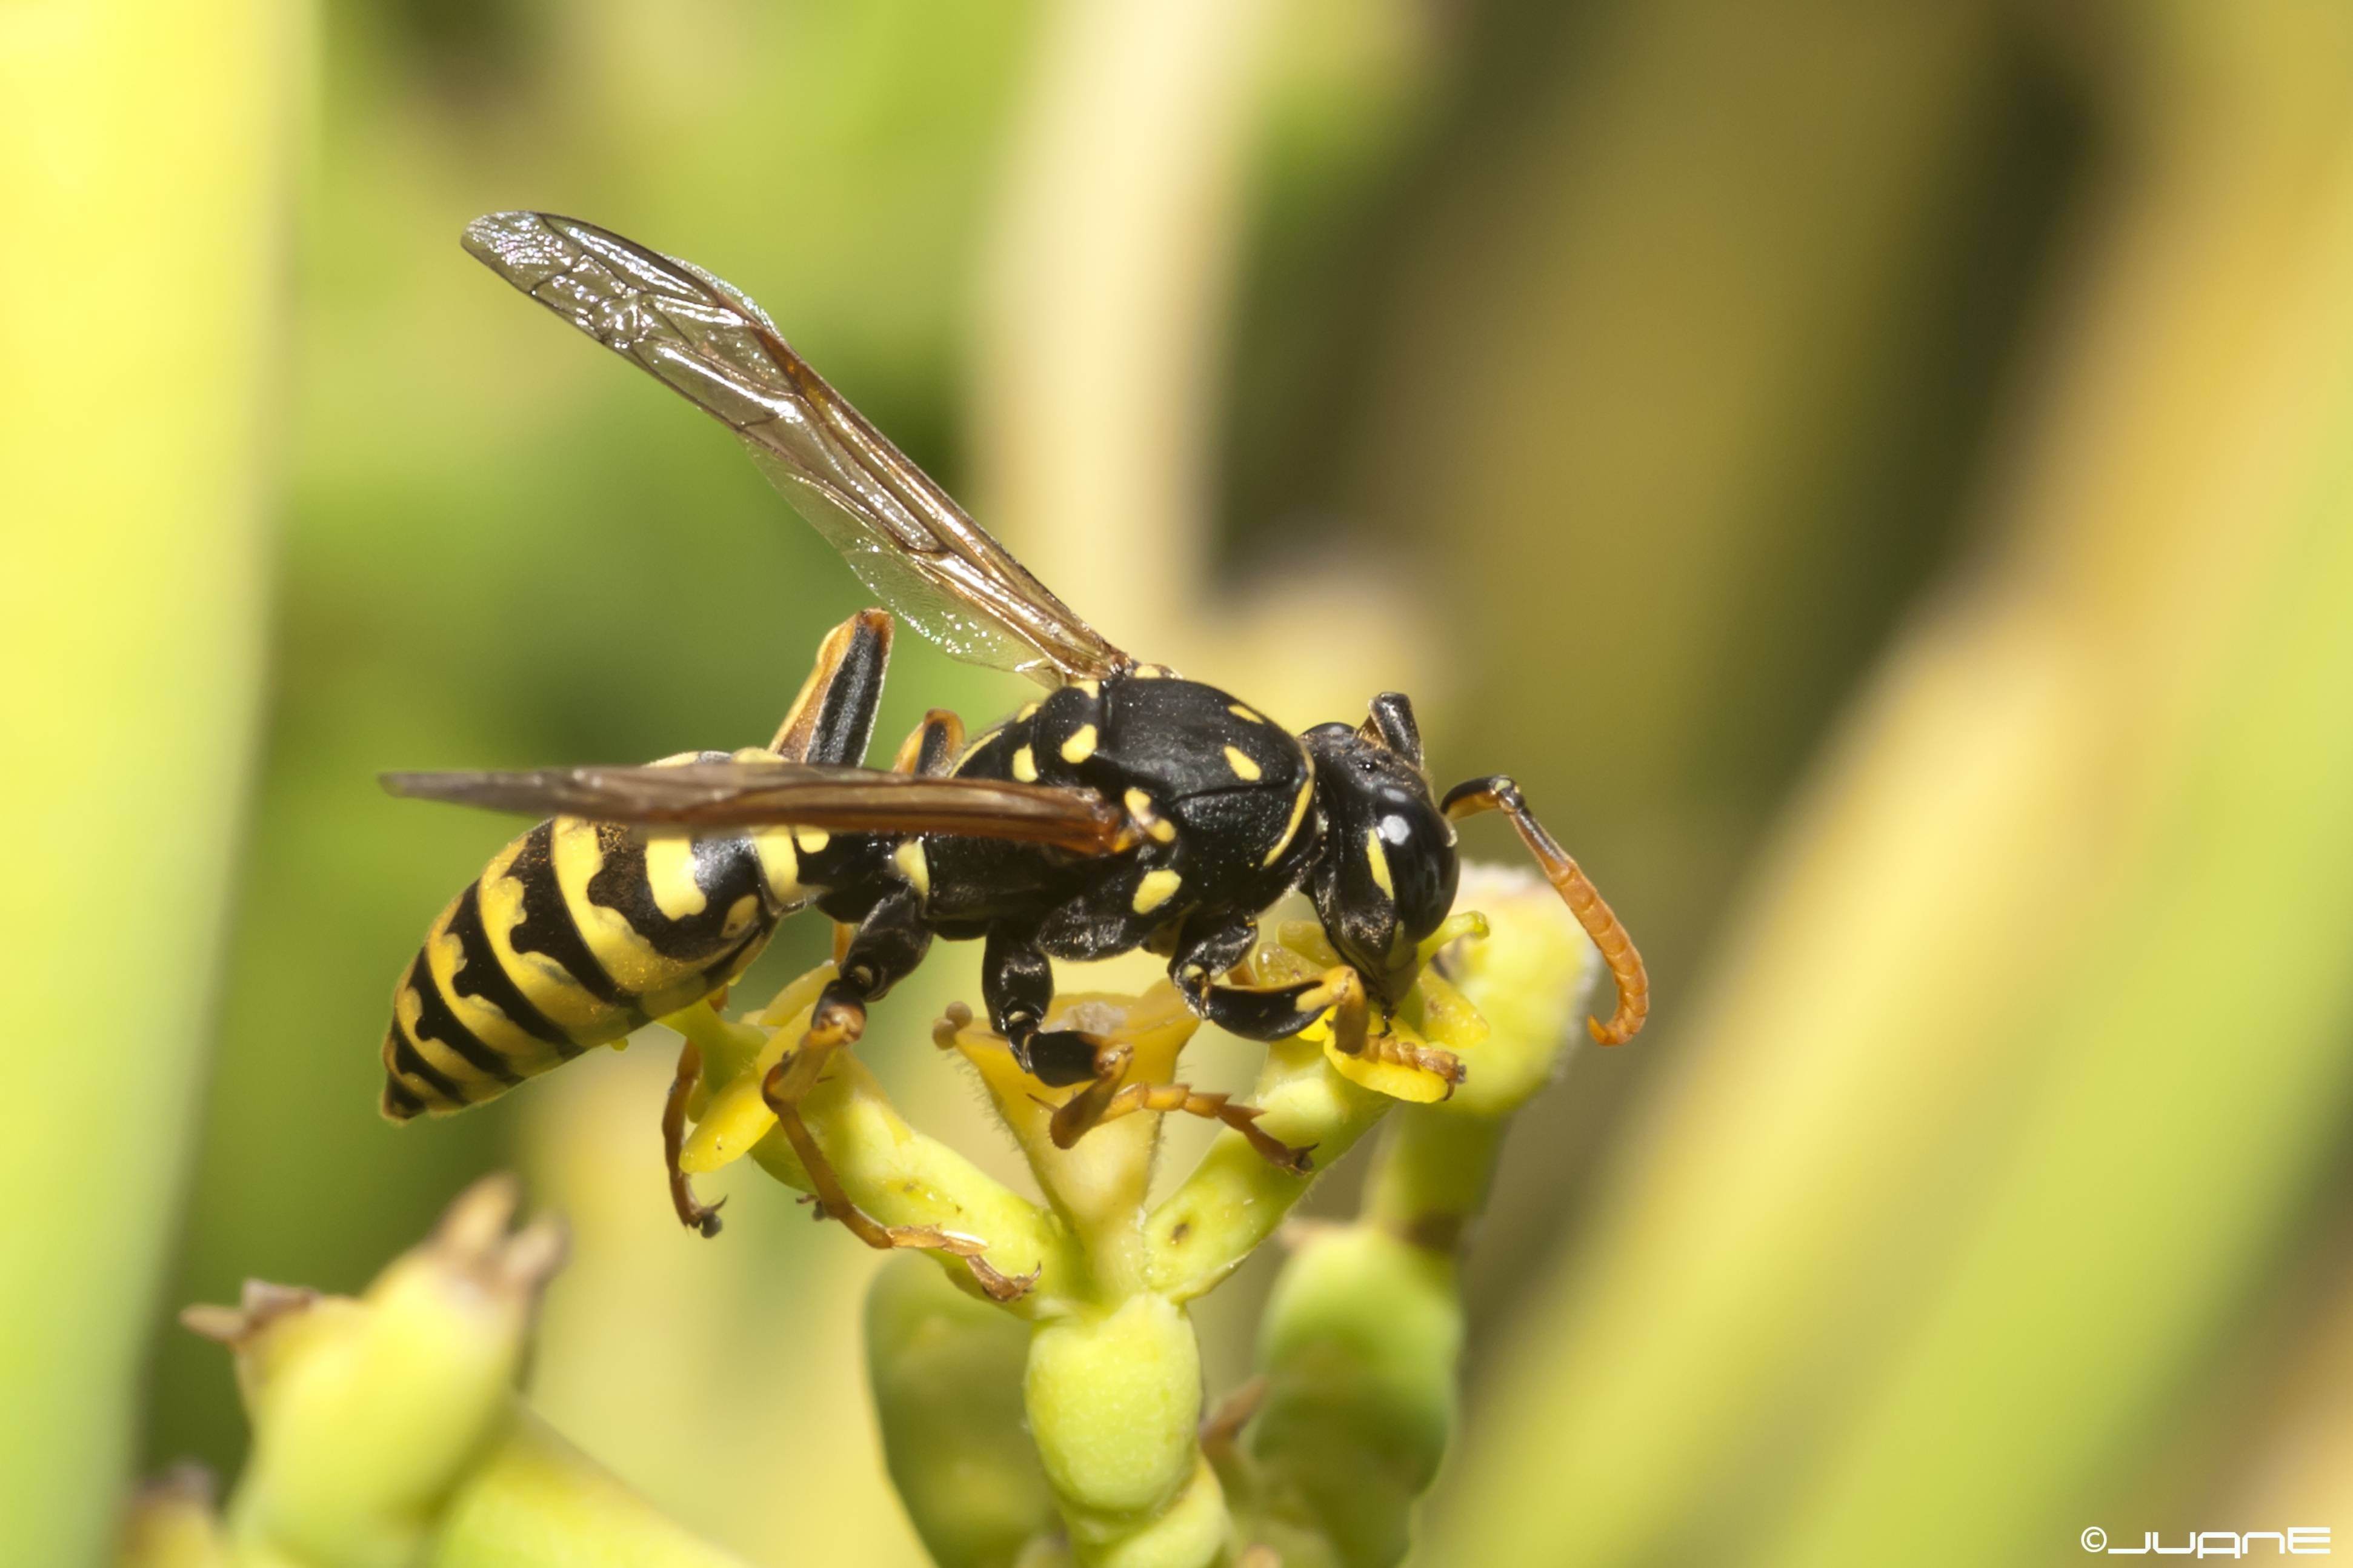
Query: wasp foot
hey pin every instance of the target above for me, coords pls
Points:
(1103, 1101)
(691, 1214)
(1440, 1064)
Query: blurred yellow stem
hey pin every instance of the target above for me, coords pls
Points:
(1115, 255)
(538, 1502)
(143, 178)
(902, 1176)
(1998, 1009)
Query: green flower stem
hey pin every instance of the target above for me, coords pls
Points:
(1235, 1199)
(1432, 1176)
(947, 1374)
(1194, 1530)
(903, 1177)
(1115, 1400)
(1112, 1388)
(368, 1413)
(1360, 1343)
(538, 1502)
(387, 1430)
(1099, 1185)
(1365, 1327)
(896, 1174)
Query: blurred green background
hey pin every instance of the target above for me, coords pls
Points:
(1882, 476)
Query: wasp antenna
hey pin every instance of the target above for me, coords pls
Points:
(1578, 891)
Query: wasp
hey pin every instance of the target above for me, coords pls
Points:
(1127, 807)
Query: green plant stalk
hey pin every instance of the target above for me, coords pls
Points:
(1234, 1199)
(1915, 1247)
(1114, 1390)
(1111, 1379)
(2073, 1294)
(387, 1430)
(132, 615)
(946, 1376)
(387, 1433)
(536, 1501)
(903, 1177)
(1360, 1345)
(1114, 1400)
(1363, 1332)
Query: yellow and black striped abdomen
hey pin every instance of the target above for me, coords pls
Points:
(577, 933)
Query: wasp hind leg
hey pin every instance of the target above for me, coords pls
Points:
(888, 944)
(693, 1215)
(831, 720)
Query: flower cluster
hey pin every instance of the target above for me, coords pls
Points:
(1037, 1379)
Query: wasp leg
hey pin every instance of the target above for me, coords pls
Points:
(1017, 985)
(1277, 1012)
(1255, 1013)
(1342, 989)
(1086, 1112)
(1584, 901)
(890, 941)
(695, 1216)
(832, 720)
(930, 749)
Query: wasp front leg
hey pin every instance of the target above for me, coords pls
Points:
(1585, 901)
(1205, 950)
(1342, 990)
(1277, 1012)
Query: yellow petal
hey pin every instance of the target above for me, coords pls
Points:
(1412, 1085)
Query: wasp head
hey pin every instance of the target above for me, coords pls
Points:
(1384, 876)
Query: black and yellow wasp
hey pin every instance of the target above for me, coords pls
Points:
(1127, 807)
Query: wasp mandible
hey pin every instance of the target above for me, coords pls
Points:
(1127, 807)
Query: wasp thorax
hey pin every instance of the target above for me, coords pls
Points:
(1385, 877)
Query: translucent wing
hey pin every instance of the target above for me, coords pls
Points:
(694, 795)
(903, 536)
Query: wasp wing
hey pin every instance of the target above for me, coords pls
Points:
(698, 795)
(906, 539)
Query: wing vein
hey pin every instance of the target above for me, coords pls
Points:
(905, 537)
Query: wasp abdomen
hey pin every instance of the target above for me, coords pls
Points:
(577, 933)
